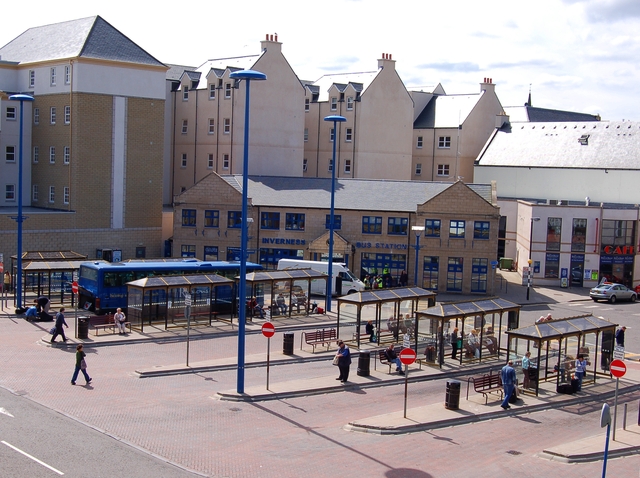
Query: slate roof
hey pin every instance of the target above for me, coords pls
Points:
(351, 194)
(220, 65)
(611, 145)
(90, 37)
(526, 113)
(360, 82)
(446, 111)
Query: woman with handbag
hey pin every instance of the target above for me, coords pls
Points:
(80, 365)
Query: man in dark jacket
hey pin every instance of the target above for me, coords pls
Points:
(620, 336)
(60, 322)
(508, 375)
(392, 357)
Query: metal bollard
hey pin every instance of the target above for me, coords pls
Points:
(624, 418)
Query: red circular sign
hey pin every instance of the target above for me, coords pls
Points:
(268, 329)
(74, 287)
(617, 368)
(407, 356)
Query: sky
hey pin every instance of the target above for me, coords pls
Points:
(575, 55)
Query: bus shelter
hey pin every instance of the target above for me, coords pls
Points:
(480, 325)
(163, 300)
(391, 312)
(555, 345)
(286, 292)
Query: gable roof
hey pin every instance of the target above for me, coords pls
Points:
(359, 81)
(90, 37)
(446, 111)
(526, 113)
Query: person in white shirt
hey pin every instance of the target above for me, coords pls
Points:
(119, 318)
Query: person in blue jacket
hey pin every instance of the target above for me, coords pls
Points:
(508, 375)
(32, 313)
(344, 361)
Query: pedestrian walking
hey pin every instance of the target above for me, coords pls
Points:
(81, 365)
(120, 319)
(344, 361)
(59, 326)
(7, 282)
(508, 375)
(454, 343)
(620, 336)
(526, 364)
(581, 370)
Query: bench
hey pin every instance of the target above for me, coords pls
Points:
(103, 322)
(324, 337)
(485, 385)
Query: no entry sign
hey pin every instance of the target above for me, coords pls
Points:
(268, 329)
(74, 287)
(407, 356)
(617, 368)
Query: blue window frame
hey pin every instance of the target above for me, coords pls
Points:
(394, 264)
(211, 218)
(481, 229)
(337, 222)
(430, 273)
(210, 253)
(456, 229)
(188, 250)
(234, 219)
(398, 226)
(479, 275)
(432, 228)
(454, 274)
(294, 222)
(188, 218)
(270, 220)
(372, 224)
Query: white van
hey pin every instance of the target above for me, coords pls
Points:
(350, 283)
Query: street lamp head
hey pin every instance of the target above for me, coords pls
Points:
(247, 75)
(417, 230)
(21, 97)
(335, 118)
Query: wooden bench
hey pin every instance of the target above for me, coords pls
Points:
(485, 385)
(382, 358)
(324, 337)
(103, 322)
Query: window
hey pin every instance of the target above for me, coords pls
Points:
(331, 134)
(185, 93)
(397, 226)
(53, 76)
(334, 103)
(347, 166)
(32, 78)
(479, 275)
(225, 161)
(552, 265)
(234, 219)
(481, 229)
(348, 135)
(419, 142)
(11, 113)
(454, 274)
(306, 135)
(330, 165)
(183, 162)
(66, 193)
(430, 273)
(227, 126)
(188, 218)
(36, 154)
(444, 142)
(270, 220)
(443, 170)
(349, 103)
(34, 193)
(36, 115)
(212, 91)
(304, 165)
(306, 104)
(211, 218)
(578, 235)
(52, 194)
(185, 126)
(210, 161)
(52, 154)
(432, 228)
(188, 250)
(212, 126)
(372, 224)
(294, 222)
(227, 90)
(52, 115)
(67, 155)
(141, 252)
(10, 154)
(337, 222)
(10, 192)
(618, 233)
(67, 114)
(67, 75)
(456, 229)
(418, 169)
(210, 253)
(554, 230)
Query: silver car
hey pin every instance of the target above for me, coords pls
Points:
(612, 293)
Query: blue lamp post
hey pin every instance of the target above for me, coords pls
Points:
(246, 75)
(19, 219)
(418, 232)
(335, 119)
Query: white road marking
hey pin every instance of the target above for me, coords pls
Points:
(2, 410)
(32, 457)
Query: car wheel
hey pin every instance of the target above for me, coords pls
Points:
(633, 298)
(594, 299)
(612, 299)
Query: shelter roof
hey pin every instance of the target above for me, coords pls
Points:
(469, 308)
(288, 274)
(160, 282)
(559, 328)
(386, 295)
(51, 256)
(43, 266)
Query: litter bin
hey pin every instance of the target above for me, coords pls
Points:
(533, 376)
(506, 263)
(364, 359)
(430, 353)
(83, 327)
(287, 343)
(452, 397)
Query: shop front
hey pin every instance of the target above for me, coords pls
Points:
(616, 264)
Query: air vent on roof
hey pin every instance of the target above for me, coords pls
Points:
(584, 140)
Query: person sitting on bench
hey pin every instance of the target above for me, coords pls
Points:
(254, 307)
(392, 357)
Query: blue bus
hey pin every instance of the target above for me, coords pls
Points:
(102, 286)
